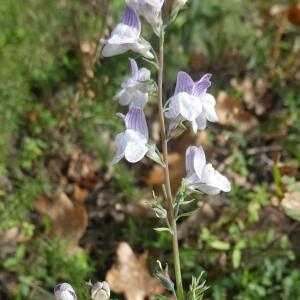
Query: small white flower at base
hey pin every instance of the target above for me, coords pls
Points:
(149, 9)
(191, 103)
(100, 291)
(64, 291)
(134, 90)
(201, 176)
(126, 36)
(133, 143)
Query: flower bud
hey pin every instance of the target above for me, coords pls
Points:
(64, 291)
(179, 4)
(101, 291)
(171, 9)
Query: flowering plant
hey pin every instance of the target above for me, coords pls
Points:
(191, 104)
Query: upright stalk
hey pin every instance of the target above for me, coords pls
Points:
(169, 200)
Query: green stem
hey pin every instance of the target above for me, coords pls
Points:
(171, 216)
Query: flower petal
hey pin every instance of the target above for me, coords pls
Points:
(114, 49)
(175, 122)
(213, 178)
(135, 151)
(121, 142)
(206, 189)
(174, 108)
(134, 68)
(135, 120)
(184, 83)
(206, 76)
(210, 113)
(191, 181)
(64, 291)
(201, 87)
(156, 3)
(201, 121)
(195, 161)
(189, 160)
(131, 19)
(199, 161)
(142, 46)
(189, 106)
(208, 98)
(132, 97)
(144, 74)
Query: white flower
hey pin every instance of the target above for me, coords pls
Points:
(64, 291)
(149, 9)
(100, 291)
(201, 176)
(191, 102)
(134, 90)
(126, 36)
(133, 143)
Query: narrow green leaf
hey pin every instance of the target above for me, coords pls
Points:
(220, 245)
(236, 257)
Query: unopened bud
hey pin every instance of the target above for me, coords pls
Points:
(171, 9)
(179, 4)
(101, 291)
(64, 291)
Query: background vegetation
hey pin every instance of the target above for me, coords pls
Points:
(64, 209)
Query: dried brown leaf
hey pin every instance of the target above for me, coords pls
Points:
(231, 113)
(69, 219)
(130, 275)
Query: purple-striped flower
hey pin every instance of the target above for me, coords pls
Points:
(126, 36)
(64, 291)
(191, 102)
(149, 9)
(133, 143)
(201, 176)
(134, 90)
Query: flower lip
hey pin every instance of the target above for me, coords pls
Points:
(201, 176)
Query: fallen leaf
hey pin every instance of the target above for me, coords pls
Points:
(294, 14)
(9, 239)
(255, 94)
(231, 113)
(156, 176)
(79, 193)
(141, 209)
(291, 205)
(69, 219)
(82, 167)
(130, 275)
